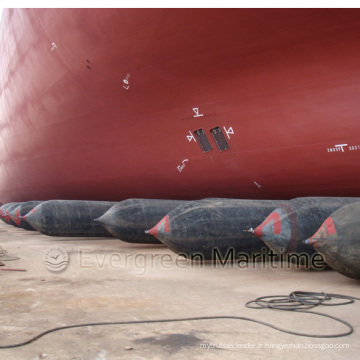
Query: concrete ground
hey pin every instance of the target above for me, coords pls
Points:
(110, 280)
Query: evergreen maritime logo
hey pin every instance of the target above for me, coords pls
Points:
(56, 258)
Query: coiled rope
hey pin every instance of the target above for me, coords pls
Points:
(299, 301)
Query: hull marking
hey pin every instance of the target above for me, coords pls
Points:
(126, 82)
(343, 148)
(229, 132)
(196, 111)
(181, 167)
(191, 136)
(258, 185)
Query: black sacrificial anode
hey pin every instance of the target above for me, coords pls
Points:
(129, 219)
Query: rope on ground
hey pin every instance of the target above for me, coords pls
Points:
(298, 301)
(5, 257)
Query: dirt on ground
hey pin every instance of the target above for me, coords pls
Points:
(89, 280)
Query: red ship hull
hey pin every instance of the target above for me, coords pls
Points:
(103, 104)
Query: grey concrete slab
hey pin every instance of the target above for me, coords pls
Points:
(109, 280)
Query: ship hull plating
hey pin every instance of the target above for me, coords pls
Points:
(113, 104)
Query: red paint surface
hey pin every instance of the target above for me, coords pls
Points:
(286, 80)
(327, 228)
(7, 216)
(155, 230)
(330, 226)
(13, 218)
(17, 219)
(164, 223)
(275, 217)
